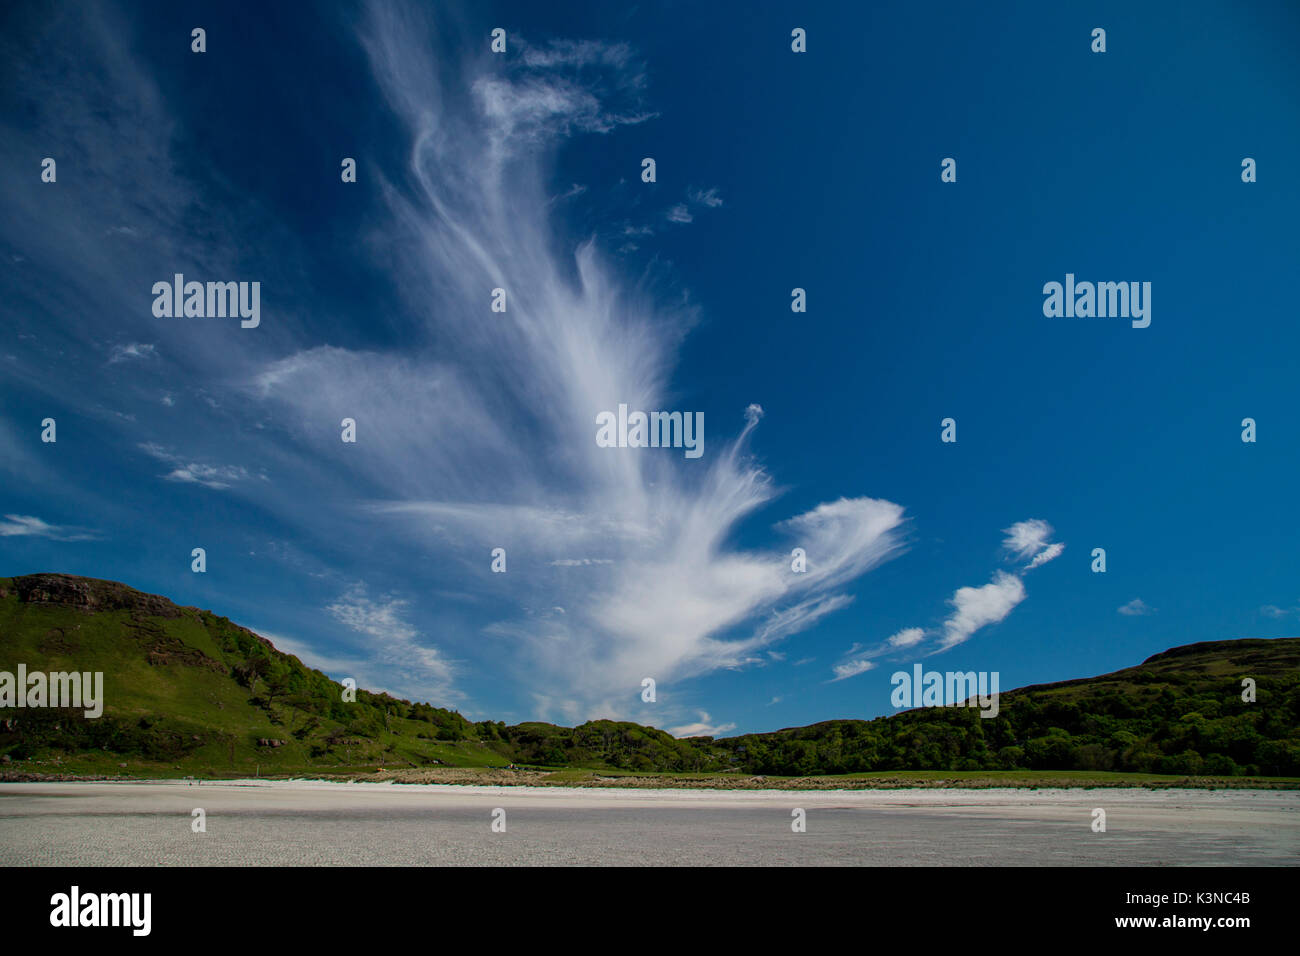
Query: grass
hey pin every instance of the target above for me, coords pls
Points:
(109, 766)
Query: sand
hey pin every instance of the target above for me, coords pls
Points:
(251, 823)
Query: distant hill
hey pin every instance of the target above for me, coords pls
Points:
(1178, 712)
(189, 691)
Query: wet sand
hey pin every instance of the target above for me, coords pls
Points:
(261, 823)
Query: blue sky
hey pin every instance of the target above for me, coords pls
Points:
(476, 429)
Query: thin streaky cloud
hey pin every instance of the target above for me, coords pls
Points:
(133, 350)
(704, 727)
(17, 526)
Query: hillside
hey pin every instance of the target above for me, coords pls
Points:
(188, 691)
(1178, 712)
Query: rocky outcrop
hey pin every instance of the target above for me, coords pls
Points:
(90, 594)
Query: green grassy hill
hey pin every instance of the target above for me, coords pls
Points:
(189, 692)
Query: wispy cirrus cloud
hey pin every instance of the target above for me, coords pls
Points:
(475, 429)
(859, 659)
(33, 527)
(131, 350)
(1280, 613)
(394, 645)
(705, 197)
(217, 477)
(683, 212)
(679, 213)
(519, 402)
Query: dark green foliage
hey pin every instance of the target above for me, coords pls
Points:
(1180, 712)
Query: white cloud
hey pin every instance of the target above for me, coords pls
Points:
(577, 53)
(1277, 613)
(858, 660)
(33, 527)
(396, 646)
(1026, 538)
(852, 668)
(218, 477)
(1047, 554)
(791, 620)
(1032, 539)
(134, 350)
(974, 608)
(694, 198)
(702, 728)
(708, 197)
(570, 193)
(908, 637)
(210, 476)
(1136, 608)
(663, 589)
(337, 667)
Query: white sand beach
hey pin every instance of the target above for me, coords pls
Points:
(251, 823)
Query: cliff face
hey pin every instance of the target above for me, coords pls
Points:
(88, 594)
